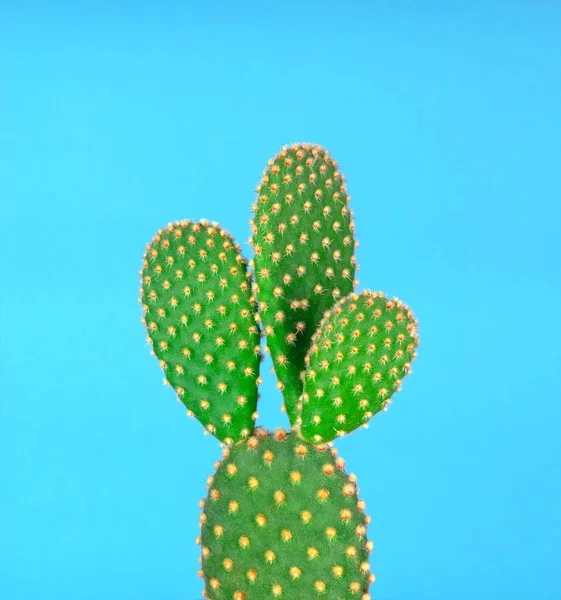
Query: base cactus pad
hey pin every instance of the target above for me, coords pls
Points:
(282, 520)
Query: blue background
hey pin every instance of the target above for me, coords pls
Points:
(116, 118)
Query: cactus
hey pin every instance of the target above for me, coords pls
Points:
(281, 519)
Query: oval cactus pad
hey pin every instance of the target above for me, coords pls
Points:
(360, 354)
(303, 240)
(283, 521)
(200, 317)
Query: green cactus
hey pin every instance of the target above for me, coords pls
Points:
(282, 519)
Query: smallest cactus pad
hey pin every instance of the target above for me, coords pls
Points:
(359, 356)
(282, 520)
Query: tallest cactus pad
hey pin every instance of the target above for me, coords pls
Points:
(303, 239)
(282, 519)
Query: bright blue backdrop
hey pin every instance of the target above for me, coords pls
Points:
(116, 118)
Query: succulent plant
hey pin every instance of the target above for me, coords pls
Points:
(282, 518)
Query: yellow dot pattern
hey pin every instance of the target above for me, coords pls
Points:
(285, 539)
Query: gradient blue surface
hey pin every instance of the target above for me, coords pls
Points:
(116, 118)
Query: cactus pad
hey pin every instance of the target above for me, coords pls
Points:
(200, 317)
(282, 520)
(361, 352)
(303, 240)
